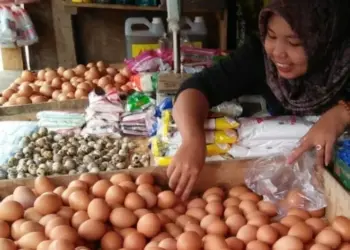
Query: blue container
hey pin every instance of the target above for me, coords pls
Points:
(146, 2)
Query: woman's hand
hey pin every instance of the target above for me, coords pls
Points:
(186, 166)
(323, 135)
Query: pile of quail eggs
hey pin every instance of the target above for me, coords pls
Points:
(49, 153)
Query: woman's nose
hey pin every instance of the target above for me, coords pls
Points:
(279, 50)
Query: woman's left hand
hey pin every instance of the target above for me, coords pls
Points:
(323, 135)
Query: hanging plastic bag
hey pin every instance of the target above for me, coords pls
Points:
(7, 28)
(288, 186)
(26, 34)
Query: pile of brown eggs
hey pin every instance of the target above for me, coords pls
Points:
(123, 213)
(63, 84)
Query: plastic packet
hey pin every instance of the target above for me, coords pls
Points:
(221, 136)
(165, 161)
(138, 101)
(144, 82)
(273, 128)
(148, 61)
(231, 109)
(166, 104)
(221, 123)
(161, 148)
(288, 186)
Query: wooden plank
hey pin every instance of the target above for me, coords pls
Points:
(214, 174)
(338, 197)
(212, 7)
(65, 46)
(111, 6)
(16, 112)
(223, 24)
(12, 58)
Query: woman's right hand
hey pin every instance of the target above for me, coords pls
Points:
(186, 166)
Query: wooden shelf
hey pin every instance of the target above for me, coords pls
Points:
(69, 3)
(112, 6)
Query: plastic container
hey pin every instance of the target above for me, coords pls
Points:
(197, 31)
(141, 40)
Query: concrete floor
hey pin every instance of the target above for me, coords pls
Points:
(7, 77)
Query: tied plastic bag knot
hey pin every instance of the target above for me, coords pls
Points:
(287, 186)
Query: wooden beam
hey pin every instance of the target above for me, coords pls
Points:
(12, 58)
(62, 21)
(223, 20)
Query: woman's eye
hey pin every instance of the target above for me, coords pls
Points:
(295, 44)
(271, 36)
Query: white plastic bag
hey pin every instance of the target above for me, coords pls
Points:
(7, 28)
(274, 128)
(248, 149)
(11, 135)
(288, 186)
(26, 34)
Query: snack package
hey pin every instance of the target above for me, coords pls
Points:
(160, 148)
(144, 82)
(138, 101)
(288, 186)
(228, 136)
(273, 128)
(221, 123)
(165, 161)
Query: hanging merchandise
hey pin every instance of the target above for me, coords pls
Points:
(16, 28)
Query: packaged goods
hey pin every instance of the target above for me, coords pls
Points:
(271, 128)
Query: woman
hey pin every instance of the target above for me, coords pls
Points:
(301, 65)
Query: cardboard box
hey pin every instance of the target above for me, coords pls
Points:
(170, 83)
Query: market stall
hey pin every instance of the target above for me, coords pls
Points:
(84, 153)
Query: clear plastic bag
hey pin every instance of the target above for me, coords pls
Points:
(288, 186)
(26, 34)
(7, 28)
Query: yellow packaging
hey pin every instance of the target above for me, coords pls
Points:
(222, 136)
(162, 161)
(221, 123)
(217, 149)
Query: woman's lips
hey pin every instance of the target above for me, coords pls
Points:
(284, 68)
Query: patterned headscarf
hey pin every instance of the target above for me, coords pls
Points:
(323, 27)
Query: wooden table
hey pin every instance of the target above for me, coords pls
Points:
(62, 11)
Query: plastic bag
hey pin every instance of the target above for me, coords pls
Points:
(273, 128)
(221, 123)
(248, 149)
(11, 135)
(231, 109)
(288, 186)
(7, 28)
(26, 34)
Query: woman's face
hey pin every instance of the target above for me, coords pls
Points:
(285, 49)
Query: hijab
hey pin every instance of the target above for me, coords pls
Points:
(323, 27)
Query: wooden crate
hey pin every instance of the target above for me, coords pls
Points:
(28, 112)
(224, 174)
